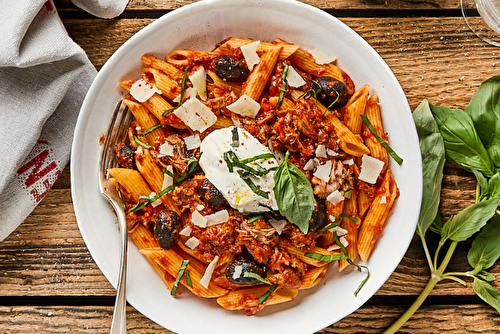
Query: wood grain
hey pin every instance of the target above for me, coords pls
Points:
(49, 282)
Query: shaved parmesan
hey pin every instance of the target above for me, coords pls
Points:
(199, 81)
(323, 171)
(331, 152)
(348, 162)
(294, 79)
(311, 164)
(188, 93)
(370, 169)
(279, 225)
(321, 151)
(342, 240)
(200, 207)
(192, 242)
(335, 197)
(219, 217)
(166, 149)
(383, 200)
(238, 270)
(167, 179)
(249, 52)
(186, 231)
(192, 141)
(322, 58)
(142, 91)
(205, 280)
(198, 219)
(339, 230)
(155, 203)
(245, 106)
(196, 115)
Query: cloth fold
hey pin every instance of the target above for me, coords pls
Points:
(44, 77)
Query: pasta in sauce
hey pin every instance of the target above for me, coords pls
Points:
(250, 168)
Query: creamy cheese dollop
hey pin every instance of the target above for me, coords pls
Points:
(234, 189)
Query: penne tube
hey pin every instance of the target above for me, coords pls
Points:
(258, 78)
(372, 112)
(312, 277)
(286, 50)
(350, 209)
(247, 298)
(183, 58)
(145, 120)
(163, 66)
(354, 108)
(375, 219)
(169, 88)
(132, 181)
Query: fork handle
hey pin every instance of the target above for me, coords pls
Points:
(119, 322)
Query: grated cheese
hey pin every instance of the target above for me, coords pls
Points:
(294, 79)
(335, 197)
(192, 141)
(322, 58)
(198, 219)
(186, 231)
(192, 242)
(199, 81)
(167, 179)
(219, 217)
(321, 151)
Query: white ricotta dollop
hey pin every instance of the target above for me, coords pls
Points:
(234, 189)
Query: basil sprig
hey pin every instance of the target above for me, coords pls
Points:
(281, 96)
(469, 139)
(182, 269)
(294, 194)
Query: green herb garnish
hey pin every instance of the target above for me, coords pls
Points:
(236, 137)
(264, 297)
(283, 86)
(294, 194)
(183, 85)
(138, 141)
(146, 200)
(257, 277)
(380, 140)
(188, 279)
(184, 265)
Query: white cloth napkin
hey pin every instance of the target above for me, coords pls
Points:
(44, 77)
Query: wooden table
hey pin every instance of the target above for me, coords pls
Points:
(50, 284)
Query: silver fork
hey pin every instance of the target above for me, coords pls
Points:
(117, 131)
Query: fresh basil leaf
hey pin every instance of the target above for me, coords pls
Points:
(437, 224)
(433, 158)
(485, 249)
(257, 277)
(326, 258)
(494, 146)
(463, 146)
(484, 109)
(487, 293)
(264, 297)
(294, 194)
(485, 275)
(470, 220)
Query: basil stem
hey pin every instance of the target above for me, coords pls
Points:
(236, 137)
(257, 277)
(188, 279)
(381, 141)
(148, 200)
(151, 129)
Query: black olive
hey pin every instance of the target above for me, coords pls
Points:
(167, 227)
(230, 69)
(318, 218)
(125, 155)
(211, 195)
(237, 268)
(334, 94)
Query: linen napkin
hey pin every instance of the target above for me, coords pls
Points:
(44, 77)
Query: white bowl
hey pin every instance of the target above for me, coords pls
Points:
(200, 26)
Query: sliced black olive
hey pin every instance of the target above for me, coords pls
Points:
(237, 268)
(167, 228)
(211, 195)
(230, 69)
(318, 218)
(125, 155)
(333, 94)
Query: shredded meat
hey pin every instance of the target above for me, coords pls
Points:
(340, 179)
(287, 269)
(259, 238)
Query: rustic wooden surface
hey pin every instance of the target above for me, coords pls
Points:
(50, 284)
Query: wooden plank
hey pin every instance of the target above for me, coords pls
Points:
(356, 5)
(474, 318)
